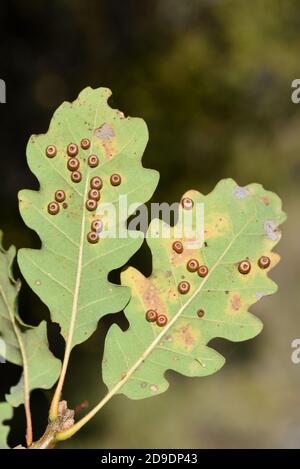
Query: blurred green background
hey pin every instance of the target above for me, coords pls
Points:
(212, 79)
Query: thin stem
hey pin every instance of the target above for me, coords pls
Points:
(66, 434)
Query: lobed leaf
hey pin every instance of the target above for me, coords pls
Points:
(6, 413)
(24, 345)
(69, 273)
(239, 224)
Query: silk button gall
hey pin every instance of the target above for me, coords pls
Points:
(76, 176)
(53, 208)
(183, 287)
(192, 265)
(97, 225)
(92, 237)
(72, 149)
(115, 179)
(187, 203)
(93, 161)
(202, 271)
(51, 151)
(60, 195)
(85, 143)
(96, 183)
(73, 164)
(91, 204)
(177, 247)
(151, 315)
(264, 262)
(244, 267)
(200, 313)
(94, 194)
(161, 320)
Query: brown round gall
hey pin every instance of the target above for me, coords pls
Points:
(202, 271)
(72, 149)
(60, 195)
(93, 161)
(151, 315)
(92, 237)
(192, 265)
(51, 151)
(161, 320)
(244, 267)
(183, 287)
(76, 176)
(53, 208)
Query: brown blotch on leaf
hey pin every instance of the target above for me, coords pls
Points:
(91, 204)
(105, 132)
(187, 336)
(72, 149)
(96, 183)
(60, 195)
(51, 151)
(200, 313)
(264, 262)
(235, 302)
(85, 143)
(151, 315)
(65, 205)
(76, 176)
(53, 208)
(183, 287)
(161, 320)
(192, 265)
(244, 267)
(92, 237)
(73, 164)
(93, 161)
(202, 271)
(177, 247)
(115, 179)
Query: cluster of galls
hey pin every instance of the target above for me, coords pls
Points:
(192, 266)
(60, 197)
(244, 266)
(96, 183)
(160, 319)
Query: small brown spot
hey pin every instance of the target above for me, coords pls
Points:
(200, 313)
(264, 262)
(151, 315)
(73, 164)
(51, 151)
(235, 302)
(53, 208)
(96, 183)
(187, 203)
(76, 176)
(93, 161)
(65, 205)
(192, 265)
(202, 271)
(183, 287)
(205, 244)
(115, 179)
(85, 143)
(91, 204)
(97, 225)
(94, 194)
(265, 200)
(244, 267)
(161, 320)
(60, 195)
(92, 237)
(177, 247)
(72, 149)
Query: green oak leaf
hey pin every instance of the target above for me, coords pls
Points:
(24, 345)
(240, 223)
(6, 413)
(69, 273)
